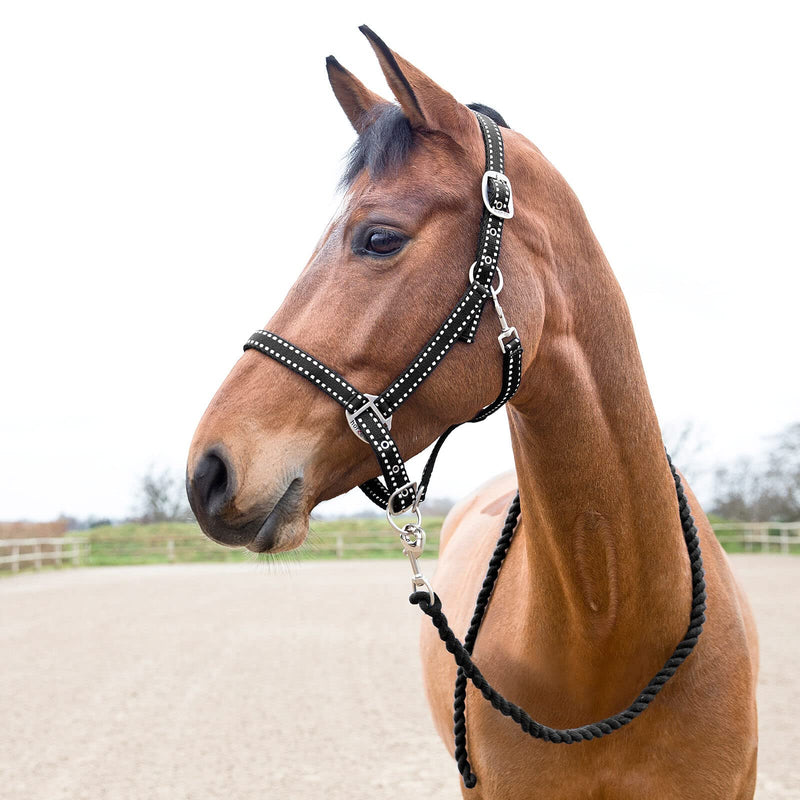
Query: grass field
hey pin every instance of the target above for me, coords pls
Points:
(370, 537)
(184, 542)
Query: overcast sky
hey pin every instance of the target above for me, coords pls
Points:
(142, 144)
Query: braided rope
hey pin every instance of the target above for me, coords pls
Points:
(468, 670)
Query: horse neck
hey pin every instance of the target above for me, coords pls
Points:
(600, 521)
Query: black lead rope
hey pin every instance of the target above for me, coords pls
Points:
(468, 670)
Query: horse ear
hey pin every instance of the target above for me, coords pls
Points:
(355, 99)
(424, 102)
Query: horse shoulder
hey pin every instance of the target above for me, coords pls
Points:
(471, 516)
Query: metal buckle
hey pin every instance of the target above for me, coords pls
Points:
(505, 335)
(414, 505)
(496, 208)
(369, 403)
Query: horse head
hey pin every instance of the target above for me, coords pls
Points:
(388, 268)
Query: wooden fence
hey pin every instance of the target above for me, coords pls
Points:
(160, 548)
(779, 537)
(42, 551)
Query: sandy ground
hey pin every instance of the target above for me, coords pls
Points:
(244, 681)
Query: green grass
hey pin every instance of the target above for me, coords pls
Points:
(133, 543)
(369, 537)
(772, 545)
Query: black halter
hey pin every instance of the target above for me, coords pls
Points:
(370, 416)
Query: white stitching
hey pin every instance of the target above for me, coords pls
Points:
(301, 370)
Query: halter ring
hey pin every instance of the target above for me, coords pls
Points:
(494, 291)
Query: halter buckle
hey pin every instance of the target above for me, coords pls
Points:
(497, 207)
(413, 506)
(507, 333)
(369, 403)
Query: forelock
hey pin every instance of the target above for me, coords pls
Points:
(382, 147)
(385, 143)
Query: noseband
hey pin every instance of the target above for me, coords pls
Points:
(370, 418)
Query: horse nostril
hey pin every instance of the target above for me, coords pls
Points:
(212, 485)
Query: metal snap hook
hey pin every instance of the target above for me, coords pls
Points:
(413, 538)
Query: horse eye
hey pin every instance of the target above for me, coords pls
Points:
(383, 242)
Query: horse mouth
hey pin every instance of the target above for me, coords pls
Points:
(286, 508)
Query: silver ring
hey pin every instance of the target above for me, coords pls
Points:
(494, 291)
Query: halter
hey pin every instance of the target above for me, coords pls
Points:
(370, 418)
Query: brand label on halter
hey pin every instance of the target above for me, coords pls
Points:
(352, 418)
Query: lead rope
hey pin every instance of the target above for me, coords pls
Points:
(468, 670)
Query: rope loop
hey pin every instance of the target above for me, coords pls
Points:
(468, 670)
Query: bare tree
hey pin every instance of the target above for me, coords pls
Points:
(782, 476)
(736, 491)
(162, 498)
(770, 491)
(687, 445)
(438, 506)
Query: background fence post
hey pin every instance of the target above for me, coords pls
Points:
(15, 556)
(339, 545)
(37, 550)
(171, 551)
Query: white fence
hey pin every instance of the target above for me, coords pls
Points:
(40, 551)
(782, 537)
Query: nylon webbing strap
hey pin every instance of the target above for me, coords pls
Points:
(370, 417)
(455, 326)
(512, 375)
(371, 422)
(497, 207)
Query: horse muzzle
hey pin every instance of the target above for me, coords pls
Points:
(212, 491)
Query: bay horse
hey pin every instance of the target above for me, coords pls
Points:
(595, 589)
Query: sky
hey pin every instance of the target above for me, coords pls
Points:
(142, 239)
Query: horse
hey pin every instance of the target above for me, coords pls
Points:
(595, 590)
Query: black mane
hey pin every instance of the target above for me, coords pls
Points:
(382, 146)
(489, 112)
(385, 143)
